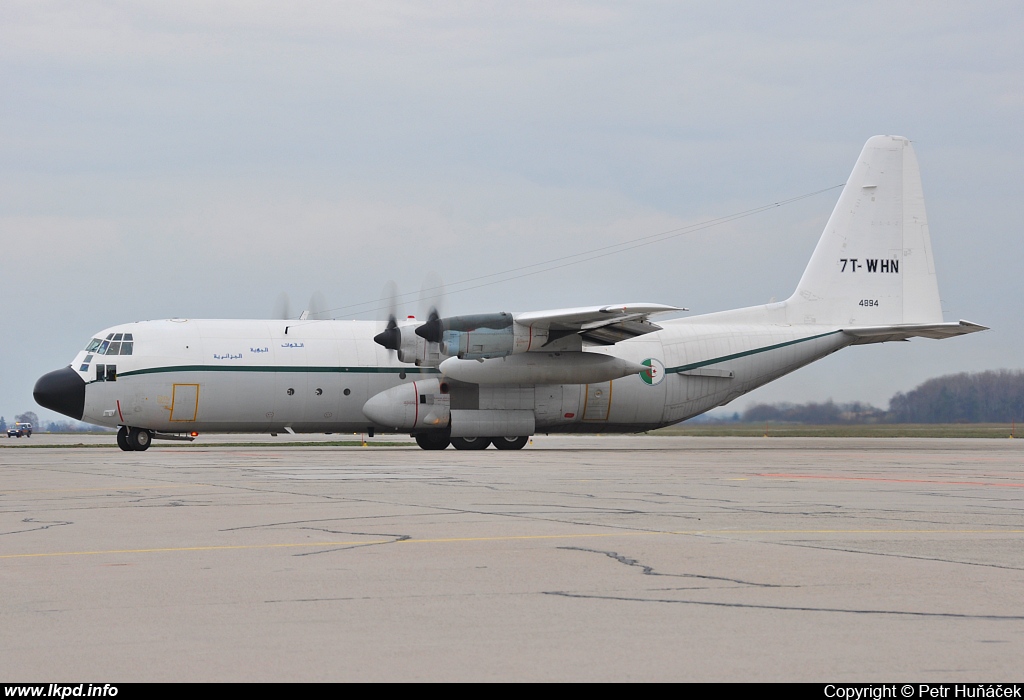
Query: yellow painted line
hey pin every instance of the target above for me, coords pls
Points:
(509, 538)
(4, 492)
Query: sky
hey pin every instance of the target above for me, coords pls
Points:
(202, 159)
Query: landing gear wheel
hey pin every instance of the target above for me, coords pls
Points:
(432, 441)
(139, 439)
(510, 443)
(122, 439)
(473, 443)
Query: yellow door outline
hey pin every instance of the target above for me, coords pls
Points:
(595, 402)
(186, 402)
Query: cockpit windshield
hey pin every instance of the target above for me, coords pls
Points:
(113, 344)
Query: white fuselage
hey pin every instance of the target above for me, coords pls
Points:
(252, 376)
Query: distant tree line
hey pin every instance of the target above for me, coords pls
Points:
(985, 397)
(827, 413)
(996, 396)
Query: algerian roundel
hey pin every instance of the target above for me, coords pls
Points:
(655, 374)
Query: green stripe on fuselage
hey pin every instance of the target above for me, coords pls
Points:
(283, 368)
(745, 353)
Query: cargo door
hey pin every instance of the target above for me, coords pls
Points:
(184, 403)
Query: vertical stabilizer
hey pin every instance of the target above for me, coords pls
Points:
(873, 264)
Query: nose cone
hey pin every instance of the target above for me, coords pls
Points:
(63, 391)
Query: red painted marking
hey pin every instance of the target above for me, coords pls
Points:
(570, 415)
(895, 481)
(119, 410)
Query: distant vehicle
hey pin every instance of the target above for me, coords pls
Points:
(19, 429)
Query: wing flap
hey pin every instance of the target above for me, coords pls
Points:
(600, 325)
(587, 317)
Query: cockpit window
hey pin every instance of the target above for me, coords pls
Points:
(113, 345)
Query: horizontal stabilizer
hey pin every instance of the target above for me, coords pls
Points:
(938, 331)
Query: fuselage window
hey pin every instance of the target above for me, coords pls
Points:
(126, 348)
(111, 373)
(101, 373)
(85, 363)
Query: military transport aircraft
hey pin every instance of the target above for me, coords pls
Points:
(474, 381)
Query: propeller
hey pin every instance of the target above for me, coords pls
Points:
(281, 307)
(431, 296)
(390, 337)
(317, 309)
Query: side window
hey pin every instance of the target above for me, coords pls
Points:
(101, 373)
(111, 373)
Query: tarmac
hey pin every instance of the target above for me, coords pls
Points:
(633, 558)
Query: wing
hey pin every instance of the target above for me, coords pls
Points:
(938, 331)
(603, 325)
(483, 336)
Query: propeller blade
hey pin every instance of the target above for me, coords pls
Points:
(317, 309)
(281, 307)
(390, 337)
(431, 298)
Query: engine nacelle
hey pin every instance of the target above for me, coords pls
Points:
(411, 406)
(483, 335)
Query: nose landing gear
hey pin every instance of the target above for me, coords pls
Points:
(134, 439)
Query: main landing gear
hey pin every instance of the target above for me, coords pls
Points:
(439, 441)
(134, 439)
(510, 443)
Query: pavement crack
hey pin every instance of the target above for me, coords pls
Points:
(41, 525)
(790, 608)
(649, 570)
(376, 543)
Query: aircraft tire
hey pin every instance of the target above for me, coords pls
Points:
(432, 441)
(510, 443)
(139, 439)
(474, 443)
(122, 439)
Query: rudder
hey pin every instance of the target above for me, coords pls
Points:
(873, 263)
